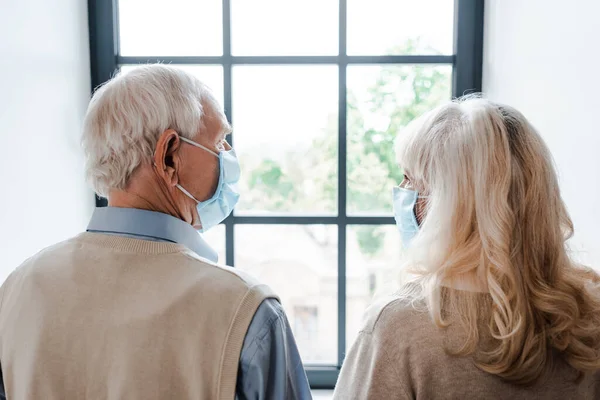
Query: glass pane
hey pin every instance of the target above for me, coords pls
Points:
(171, 28)
(215, 237)
(373, 258)
(378, 27)
(285, 135)
(211, 75)
(382, 99)
(299, 262)
(276, 27)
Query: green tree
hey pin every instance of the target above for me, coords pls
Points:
(398, 95)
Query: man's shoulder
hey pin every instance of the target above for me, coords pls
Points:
(223, 272)
(35, 263)
(50, 252)
(185, 262)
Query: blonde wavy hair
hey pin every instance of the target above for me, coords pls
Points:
(495, 216)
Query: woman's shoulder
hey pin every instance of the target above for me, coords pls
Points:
(395, 314)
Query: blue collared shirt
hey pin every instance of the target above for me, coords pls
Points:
(270, 366)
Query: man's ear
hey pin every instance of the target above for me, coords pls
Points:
(166, 156)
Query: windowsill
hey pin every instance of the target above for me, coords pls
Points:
(321, 394)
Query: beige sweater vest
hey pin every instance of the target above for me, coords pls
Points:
(107, 317)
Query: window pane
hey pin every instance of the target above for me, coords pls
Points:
(285, 135)
(299, 262)
(381, 101)
(211, 75)
(400, 27)
(373, 259)
(276, 27)
(171, 28)
(215, 237)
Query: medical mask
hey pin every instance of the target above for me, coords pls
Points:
(214, 210)
(404, 201)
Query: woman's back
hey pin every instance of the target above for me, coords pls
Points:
(402, 354)
(479, 208)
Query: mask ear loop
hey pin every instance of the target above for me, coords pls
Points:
(415, 209)
(188, 194)
(188, 141)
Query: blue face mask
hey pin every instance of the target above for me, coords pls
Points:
(404, 212)
(214, 210)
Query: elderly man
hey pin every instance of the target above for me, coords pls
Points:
(136, 307)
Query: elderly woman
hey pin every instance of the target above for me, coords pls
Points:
(494, 307)
(136, 307)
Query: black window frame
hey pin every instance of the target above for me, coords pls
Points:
(466, 61)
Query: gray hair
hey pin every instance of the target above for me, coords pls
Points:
(127, 115)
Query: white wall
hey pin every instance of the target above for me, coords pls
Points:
(44, 89)
(542, 57)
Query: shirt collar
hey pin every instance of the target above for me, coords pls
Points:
(150, 225)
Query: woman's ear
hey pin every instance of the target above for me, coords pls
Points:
(166, 156)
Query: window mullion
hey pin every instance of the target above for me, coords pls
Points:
(468, 47)
(229, 223)
(342, 184)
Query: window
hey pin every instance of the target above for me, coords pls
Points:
(306, 332)
(316, 91)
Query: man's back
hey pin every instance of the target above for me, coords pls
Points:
(108, 317)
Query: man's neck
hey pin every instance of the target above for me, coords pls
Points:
(145, 193)
(125, 199)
